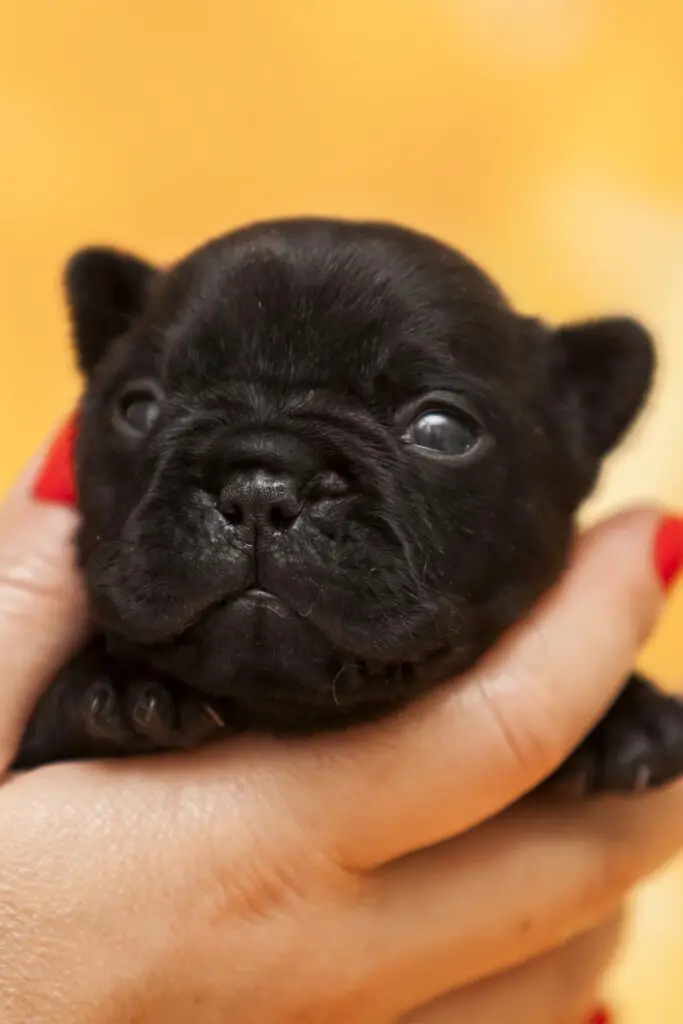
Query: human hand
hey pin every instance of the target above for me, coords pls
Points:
(340, 878)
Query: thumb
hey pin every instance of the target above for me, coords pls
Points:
(42, 602)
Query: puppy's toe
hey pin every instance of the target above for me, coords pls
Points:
(101, 712)
(170, 718)
(152, 712)
(200, 720)
(637, 746)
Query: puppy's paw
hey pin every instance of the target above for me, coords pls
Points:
(144, 714)
(637, 746)
(99, 707)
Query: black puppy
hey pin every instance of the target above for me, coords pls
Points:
(322, 466)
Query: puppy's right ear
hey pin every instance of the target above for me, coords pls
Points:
(106, 292)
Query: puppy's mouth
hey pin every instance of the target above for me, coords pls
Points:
(257, 596)
(245, 603)
(255, 654)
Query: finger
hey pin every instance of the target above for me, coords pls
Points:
(556, 871)
(478, 745)
(42, 606)
(558, 987)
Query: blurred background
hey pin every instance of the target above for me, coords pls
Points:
(541, 136)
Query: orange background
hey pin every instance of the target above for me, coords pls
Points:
(542, 136)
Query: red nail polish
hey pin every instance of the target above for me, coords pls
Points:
(56, 481)
(669, 550)
(600, 1016)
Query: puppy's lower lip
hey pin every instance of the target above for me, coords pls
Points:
(257, 598)
(259, 594)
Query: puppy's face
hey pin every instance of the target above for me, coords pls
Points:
(323, 465)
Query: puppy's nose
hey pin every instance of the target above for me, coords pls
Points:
(260, 499)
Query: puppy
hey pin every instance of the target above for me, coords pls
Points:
(322, 466)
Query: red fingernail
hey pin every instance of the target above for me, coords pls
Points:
(56, 481)
(600, 1016)
(669, 550)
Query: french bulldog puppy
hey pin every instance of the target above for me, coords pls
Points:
(322, 466)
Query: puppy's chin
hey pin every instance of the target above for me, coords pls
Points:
(264, 663)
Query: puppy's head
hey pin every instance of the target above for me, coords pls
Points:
(323, 465)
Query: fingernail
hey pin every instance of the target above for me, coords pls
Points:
(56, 481)
(600, 1015)
(669, 550)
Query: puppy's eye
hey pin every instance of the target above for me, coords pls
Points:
(445, 432)
(137, 408)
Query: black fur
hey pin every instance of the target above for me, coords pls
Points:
(292, 358)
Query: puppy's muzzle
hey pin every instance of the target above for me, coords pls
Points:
(260, 500)
(265, 501)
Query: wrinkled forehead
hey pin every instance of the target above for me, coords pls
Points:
(349, 318)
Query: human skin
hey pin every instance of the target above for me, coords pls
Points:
(370, 876)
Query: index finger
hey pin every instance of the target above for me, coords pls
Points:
(42, 603)
(479, 744)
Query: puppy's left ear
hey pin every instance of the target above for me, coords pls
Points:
(107, 291)
(602, 373)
